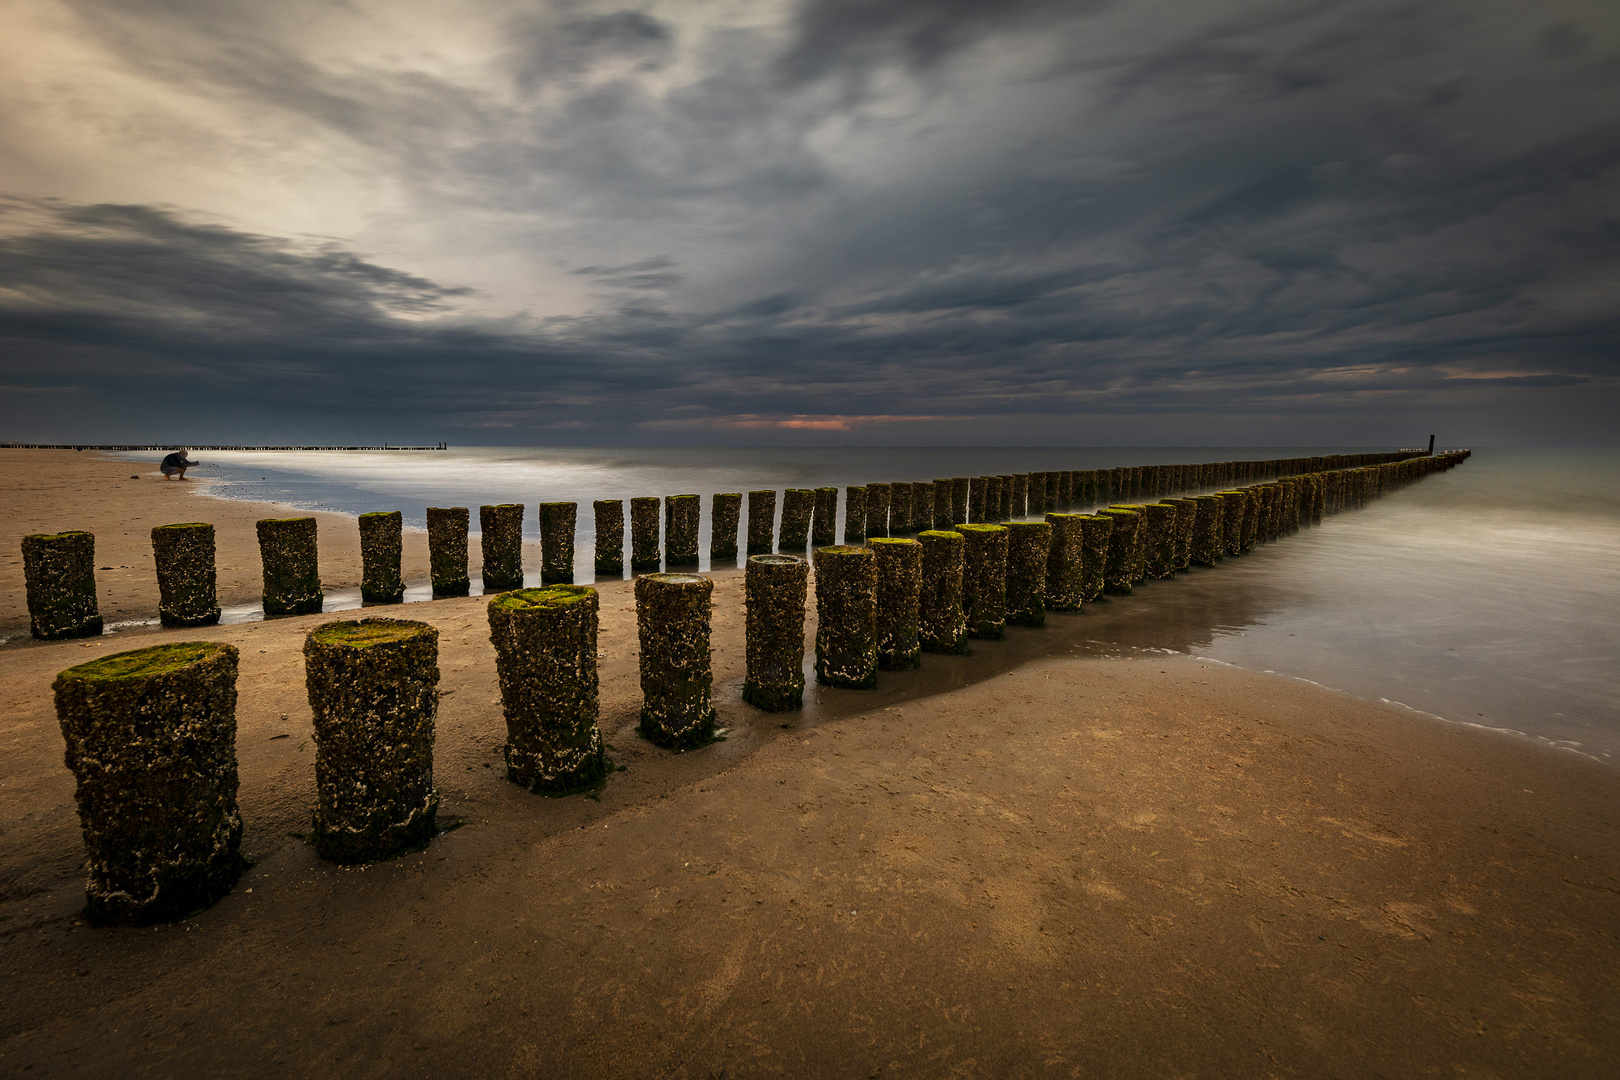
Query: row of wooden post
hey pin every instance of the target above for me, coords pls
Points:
(151, 733)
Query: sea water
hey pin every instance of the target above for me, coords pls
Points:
(1487, 595)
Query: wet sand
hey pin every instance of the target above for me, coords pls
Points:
(1018, 864)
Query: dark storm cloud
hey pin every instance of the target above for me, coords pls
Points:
(1326, 207)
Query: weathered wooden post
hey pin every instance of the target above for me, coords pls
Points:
(1008, 482)
(797, 506)
(774, 589)
(291, 560)
(382, 537)
(184, 555)
(922, 505)
(984, 579)
(59, 572)
(725, 518)
(373, 688)
(677, 680)
(1120, 573)
(854, 515)
(1020, 496)
(846, 617)
(546, 660)
(1066, 563)
(961, 489)
(1251, 520)
(1029, 548)
(942, 504)
(824, 526)
(151, 741)
(761, 521)
(501, 544)
(1037, 494)
(1233, 504)
(877, 510)
(447, 550)
(1206, 531)
(1160, 553)
(557, 521)
(1096, 531)
(899, 509)
(941, 625)
(681, 530)
(609, 518)
(644, 550)
(899, 591)
(1186, 518)
(978, 493)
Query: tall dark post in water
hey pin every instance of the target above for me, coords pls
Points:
(984, 579)
(961, 486)
(609, 514)
(797, 506)
(1431, 446)
(774, 590)
(1029, 547)
(899, 509)
(381, 541)
(644, 551)
(681, 530)
(673, 626)
(725, 516)
(978, 491)
(1096, 529)
(877, 510)
(447, 550)
(59, 571)
(185, 571)
(846, 617)
(1160, 552)
(761, 521)
(1206, 546)
(941, 626)
(291, 560)
(1066, 563)
(854, 515)
(501, 543)
(899, 581)
(1120, 572)
(557, 521)
(824, 526)
(942, 504)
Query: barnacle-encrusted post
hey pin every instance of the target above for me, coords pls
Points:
(1008, 509)
(899, 509)
(677, 680)
(846, 617)
(545, 659)
(681, 530)
(984, 579)
(942, 504)
(291, 560)
(1096, 529)
(1207, 531)
(557, 520)
(1037, 494)
(1029, 547)
(854, 515)
(941, 626)
(978, 493)
(1251, 520)
(644, 550)
(1119, 576)
(824, 526)
(922, 505)
(774, 590)
(761, 521)
(961, 488)
(725, 516)
(373, 687)
(609, 518)
(447, 550)
(797, 506)
(501, 545)
(1186, 518)
(899, 583)
(877, 510)
(1233, 505)
(1065, 563)
(59, 571)
(1020, 496)
(1160, 552)
(185, 571)
(381, 541)
(151, 740)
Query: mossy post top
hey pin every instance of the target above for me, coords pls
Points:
(145, 663)
(379, 514)
(188, 525)
(548, 598)
(275, 521)
(980, 528)
(845, 551)
(893, 542)
(941, 536)
(767, 560)
(1028, 526)
(661, 580)
(45, 538)
(369, 633)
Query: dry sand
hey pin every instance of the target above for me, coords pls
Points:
(1063, 866)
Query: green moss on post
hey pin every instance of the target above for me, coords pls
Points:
(644, 550)
(292, 576)
(447, 550)
(824, 526)
(941, 625)
(59, 570)
(609, 525)
(1029, 549)
(681, 513)
(761, 522)
(381, 541)
(854, 515)
(877, 510)
(151, 740)
(725, 517)
(846, 617)
(501, 545)
(984, 579)
(775, 587)
(1206, 542)
(184, 555)
(373, 688)
(546, 661)
(899, 585)
(1119, 573)
(677, 680)
(1066, 563)
(797, 506)
(1096, 529)
(557, 521)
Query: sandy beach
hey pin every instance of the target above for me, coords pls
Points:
(1024, 865)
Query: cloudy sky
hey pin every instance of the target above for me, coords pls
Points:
(1081, 222)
